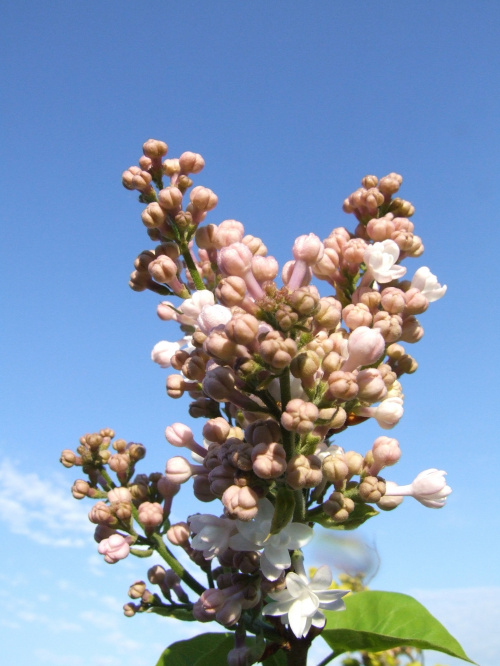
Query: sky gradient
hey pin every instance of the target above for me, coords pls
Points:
(291, 104)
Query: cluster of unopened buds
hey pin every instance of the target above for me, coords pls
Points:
(277, 372)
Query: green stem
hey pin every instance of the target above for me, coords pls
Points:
(107, 478)
(299, 514)
(175, 565)
(285, 390)
(195, 276)
(287, 436)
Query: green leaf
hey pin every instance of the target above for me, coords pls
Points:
(207, 650)
(203, 650)
(361, 513)
(378, 621)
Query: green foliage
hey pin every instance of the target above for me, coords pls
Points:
(203, 650)
(378, 621)
(208, 650)
(361, 513)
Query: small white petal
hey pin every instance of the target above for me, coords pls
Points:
(322, 579)
(299, 535)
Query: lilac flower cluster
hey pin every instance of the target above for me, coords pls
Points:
(277, 372)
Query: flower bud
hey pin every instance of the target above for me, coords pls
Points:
(178, 534)
(304, 472)
(80, 489)
(299, 416)
(150, 515)
(269, 460)
(338, 507)
(191, 162)
(68, 458)
(154, 149)
(115, 548)
(203, 198)
(240, 502)
(137, 589)
(371, 489)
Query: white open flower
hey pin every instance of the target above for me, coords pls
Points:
(163, 351)
(429, 488)
(427, 283)
(300, 602)
(212, 534)
(380, 259)
(255, 535)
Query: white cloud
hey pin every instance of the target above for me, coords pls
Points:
(41, 509)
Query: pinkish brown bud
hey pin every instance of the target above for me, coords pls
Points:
(342, 385)
(154, 149)
(150, 515)
(269, 460)
(371, 489)
(178, 534)
(191, 162)
(240, 502)
(299, 416)
(203, 198)
(80, 489)
(304, 472)
(338, 507)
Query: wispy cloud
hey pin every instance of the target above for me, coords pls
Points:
(41, 509)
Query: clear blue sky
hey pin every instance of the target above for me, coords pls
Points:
(290, 103)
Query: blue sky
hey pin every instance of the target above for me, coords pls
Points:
(291, 104)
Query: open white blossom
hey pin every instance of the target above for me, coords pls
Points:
(380, 259)
(429, 488)
(255, 535)
(300, 602)
(428, 284)
(212, 534)
(192, 307)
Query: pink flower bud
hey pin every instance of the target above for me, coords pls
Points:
(191, 162)
(181, 435)
(240, 502)
(203, 198)
(216, 430)
(265, 269)
(150, 514)
(371, 385)
(304, 472)
(236, 260)
(114, 548)
(365, 346)
(179, 470)
(307, 250)
(154, 149)
(120, 495)
(429, 488)
(299, 416)
(269, 460)
(228, 232)
(178, 534)
(166, 488)
(393, 300)
(342, 385)
(357, 315)
(170, 198)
